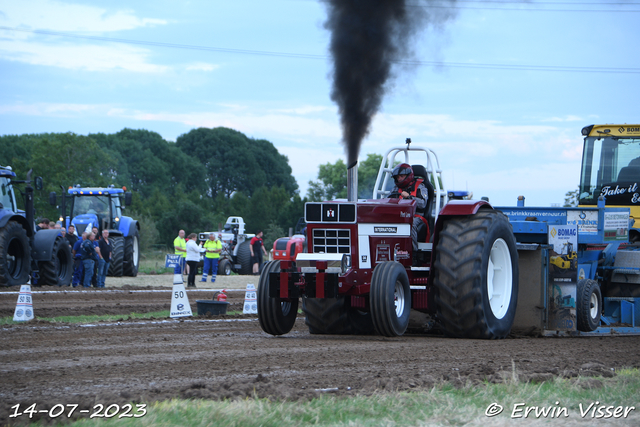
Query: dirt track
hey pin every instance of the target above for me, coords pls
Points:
(148, 360)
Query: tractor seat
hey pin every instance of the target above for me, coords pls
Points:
(629, 174)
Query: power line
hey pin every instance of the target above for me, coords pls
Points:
(170, 45)
(525, 67)
(522, 3)
(519, 9)
(526, 3)
(512, 67)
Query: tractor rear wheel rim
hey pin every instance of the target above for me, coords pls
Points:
(14, 261)
(398, 298)
(499, 278)
(593, 306)
(136, 251)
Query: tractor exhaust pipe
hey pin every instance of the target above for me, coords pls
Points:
(352, 182)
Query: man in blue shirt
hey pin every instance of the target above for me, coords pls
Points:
(96, 245)
(77, 261)
(89, 258)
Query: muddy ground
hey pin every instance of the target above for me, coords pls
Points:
(230, 357)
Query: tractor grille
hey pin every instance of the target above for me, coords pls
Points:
(331, 241)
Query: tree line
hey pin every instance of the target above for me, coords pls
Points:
(193, 184)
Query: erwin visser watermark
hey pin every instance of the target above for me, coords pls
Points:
(594, 410)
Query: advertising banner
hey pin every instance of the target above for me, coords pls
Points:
(563, 278)
(616, 226)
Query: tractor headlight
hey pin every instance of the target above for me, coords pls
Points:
(346, 263)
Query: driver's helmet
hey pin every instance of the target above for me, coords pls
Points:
(402, 169)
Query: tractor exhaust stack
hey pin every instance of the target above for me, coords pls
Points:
(352, 182)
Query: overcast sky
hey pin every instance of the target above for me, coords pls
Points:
(500, 124)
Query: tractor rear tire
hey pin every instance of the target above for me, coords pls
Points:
(390, 299)
(244, 259)
(335, 316)
(588, 305)
(276, 315)
(476, 276)
(59, 269)
(15, 255)
(224, 268)
(117, 256)
(131, 255)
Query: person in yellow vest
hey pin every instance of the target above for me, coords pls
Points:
(212, 247)
(180, 245)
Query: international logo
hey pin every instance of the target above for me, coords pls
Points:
(331, 213)
(385, 229)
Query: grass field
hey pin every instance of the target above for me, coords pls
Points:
(581, 402)
(163, 314)
(92, 318)
(152, 262)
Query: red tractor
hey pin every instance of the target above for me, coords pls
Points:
(288, 248)
(360, 274)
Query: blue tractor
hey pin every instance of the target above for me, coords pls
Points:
(603, 265)
(44, 255)
(102, 208)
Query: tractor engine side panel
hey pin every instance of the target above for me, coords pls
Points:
(383, 247)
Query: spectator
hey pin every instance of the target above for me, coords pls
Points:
(213, 248)
(71, 236)
(52, 225)
(193, 257)
(257, 248)
(43, 224)
(78, 268)
(180, 246)
(57, 225)
(96, 245)
(105, 258)
(89, 258)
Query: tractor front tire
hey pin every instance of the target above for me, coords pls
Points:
(476, 276)
(588, 305)
(276, 315)
(15, 255)
(244, 259)
(335, 316)
(59, 269)
(390, 299)
(116, 267)
(224, 268)
(131, 255)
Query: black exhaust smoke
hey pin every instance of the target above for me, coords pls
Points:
(369, 37)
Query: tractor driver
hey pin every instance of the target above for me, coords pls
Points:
(408, 187)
